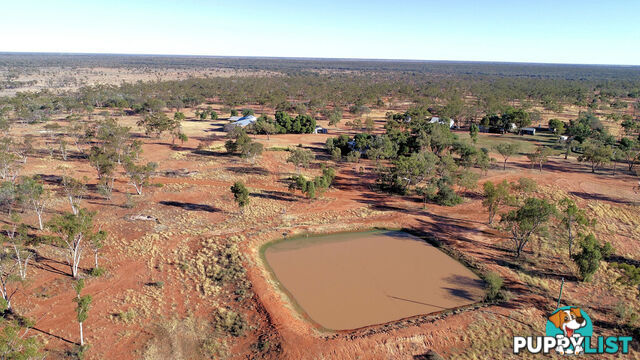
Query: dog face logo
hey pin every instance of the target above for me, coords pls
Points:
(569, 331)
(570, 323)
(568, 320)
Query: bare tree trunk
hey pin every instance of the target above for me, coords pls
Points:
(4, 286)
(5, 296)
(81, 336)
(40, 219)
(570, 241)
(74, 209)
(22, 263)
(76, 264)
(75, 250)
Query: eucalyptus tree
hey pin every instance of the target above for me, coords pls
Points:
(495, 195)
(9, 278)
(540, 156)
(596, 153)
(527, 220)
(9, 166)
(507, 150)
(139, 175)
(300, 157)
(33, 195)
(74, 190)
(82, 307)
(113, 137)
(74, 233)
(573, 219)
(630, 150)
(15, 235)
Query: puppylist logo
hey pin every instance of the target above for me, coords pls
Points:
(569, 331)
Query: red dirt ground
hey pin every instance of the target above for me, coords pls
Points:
(192, 209)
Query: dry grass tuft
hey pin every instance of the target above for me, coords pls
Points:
(491, 336)
(188, 338)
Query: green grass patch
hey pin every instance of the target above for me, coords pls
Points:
(527, 143)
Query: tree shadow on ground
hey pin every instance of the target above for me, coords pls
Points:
(547, 274)
(460, 293)
(429, 355)
(465, 281)
(249, 170)
(54, 336)
(276, 195)
(622, 259)
(416, 302)
(46, 264)
(191, 206)
(50, 179)
(204, 152)
(601, 197)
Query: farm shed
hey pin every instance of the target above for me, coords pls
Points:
(241, 122)
(436, 119)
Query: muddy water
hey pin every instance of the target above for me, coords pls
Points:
(347, 281)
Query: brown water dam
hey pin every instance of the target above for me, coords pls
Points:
(351, 280)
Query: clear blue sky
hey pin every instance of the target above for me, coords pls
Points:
(560, 31)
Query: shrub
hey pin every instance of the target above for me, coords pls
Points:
(105, 188)
(353, 156)
(129, 202)
(494, 286)
(631, 274)
(240, 194)
(78, 351)
(447, 197)
(126, 317)
(226, 266)
(251, 150)
(229, 321)
(526, 185)
(627, 314)
(97, 271)
(158, 284)
(263, 344)
(588, 259)
(312, 187)
(230, 146)
(336, 154)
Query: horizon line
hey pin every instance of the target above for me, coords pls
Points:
(306, 58)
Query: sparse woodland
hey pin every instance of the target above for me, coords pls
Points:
(74, 163)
